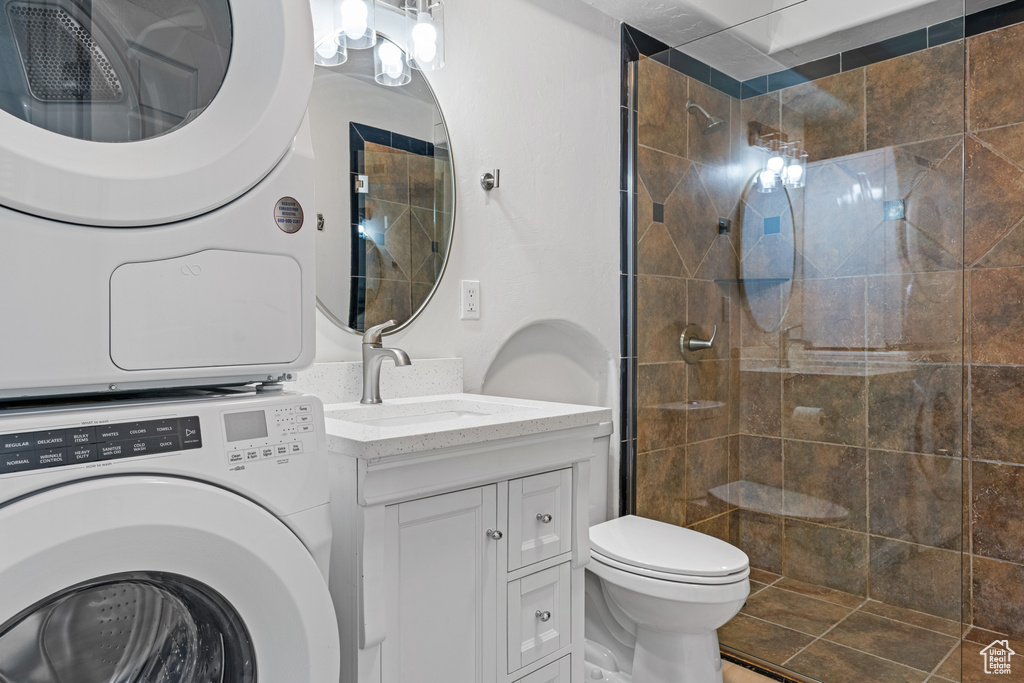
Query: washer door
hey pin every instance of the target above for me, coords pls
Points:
(142, 112)
(145, 579)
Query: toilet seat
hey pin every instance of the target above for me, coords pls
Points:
(657, 550)
(598, 558)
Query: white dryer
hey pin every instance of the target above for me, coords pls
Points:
(172, 541)
(155, 171)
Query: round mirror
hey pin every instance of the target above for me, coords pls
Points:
(385, 194)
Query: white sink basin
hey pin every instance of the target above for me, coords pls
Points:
(414, 424)
(426, 412)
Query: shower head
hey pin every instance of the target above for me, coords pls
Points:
(713, 122)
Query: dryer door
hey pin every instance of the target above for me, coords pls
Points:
(134, 579)
(141, 112)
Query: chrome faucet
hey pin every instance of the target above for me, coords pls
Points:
(374, 354)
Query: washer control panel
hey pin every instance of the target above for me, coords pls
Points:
(91, 443)
(269, 434)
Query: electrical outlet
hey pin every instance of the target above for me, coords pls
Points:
(470, 299)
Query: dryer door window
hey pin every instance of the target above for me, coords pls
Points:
(140, 627)
(112, 70)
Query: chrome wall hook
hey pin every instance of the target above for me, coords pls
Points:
(490, 180)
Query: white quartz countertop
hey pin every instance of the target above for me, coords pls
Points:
(427, 423)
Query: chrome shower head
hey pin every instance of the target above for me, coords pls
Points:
(713, 122)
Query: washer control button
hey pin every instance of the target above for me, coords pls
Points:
(282, 449)
(304, 408)
(304, 419)
(305, 428)
(252, 454)
(295, 447)
(235, 456)
(267, 452)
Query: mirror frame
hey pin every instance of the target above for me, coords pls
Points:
(320, 306)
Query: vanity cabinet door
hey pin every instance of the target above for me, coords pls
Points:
(442, 589)
(539, 517)
(539, 615)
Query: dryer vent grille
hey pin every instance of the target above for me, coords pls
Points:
(62, 62)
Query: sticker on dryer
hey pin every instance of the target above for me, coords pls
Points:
(288, 214)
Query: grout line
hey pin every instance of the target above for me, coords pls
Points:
(906, 623)
(934, 672)
(826, 632)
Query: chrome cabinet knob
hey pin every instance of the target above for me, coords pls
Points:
(543, 518)
(543, 616)
(494, 534)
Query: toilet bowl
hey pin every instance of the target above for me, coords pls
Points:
(657, 594)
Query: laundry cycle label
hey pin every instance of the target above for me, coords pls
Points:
(288, 214)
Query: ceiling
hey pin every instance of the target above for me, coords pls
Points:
(750, 38)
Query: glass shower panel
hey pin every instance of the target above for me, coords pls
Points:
(801, 187)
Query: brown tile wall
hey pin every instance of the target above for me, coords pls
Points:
(845, 432)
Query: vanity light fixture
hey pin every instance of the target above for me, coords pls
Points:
(425, 38)
(358, 24)
(785, 164)
(330, 48)
(390, 64)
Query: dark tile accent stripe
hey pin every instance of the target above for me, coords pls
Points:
(727, 84)
(642, 43)
(994, 18)
(885, 49)
(687, 65)
(811, 71)
(754, 87)
(360, 133)
(946, 32)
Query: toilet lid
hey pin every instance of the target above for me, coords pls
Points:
(649, 544)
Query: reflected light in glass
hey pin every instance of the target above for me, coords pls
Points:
(391, 65)
(357, 23)
(766, 181)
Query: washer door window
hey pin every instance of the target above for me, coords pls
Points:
(141, 112)
(121, 71)
(133, 628)
(158, 580)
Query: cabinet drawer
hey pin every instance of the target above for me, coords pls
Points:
(556, 672)
(539, 517)
(539, 615)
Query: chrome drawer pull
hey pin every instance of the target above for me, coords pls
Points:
(544, 519)
(543, 616)
(494, 534)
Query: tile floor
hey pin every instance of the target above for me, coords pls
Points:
(836, 637)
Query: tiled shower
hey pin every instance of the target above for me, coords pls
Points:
(856, 428)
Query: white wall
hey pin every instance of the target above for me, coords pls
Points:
(530, 87)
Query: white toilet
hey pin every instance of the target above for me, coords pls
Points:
(656, 595)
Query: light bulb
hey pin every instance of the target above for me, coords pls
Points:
(424, 38)
(776, 164)
(391, 59)
(794, 173)
(354, 14)
(767, 181)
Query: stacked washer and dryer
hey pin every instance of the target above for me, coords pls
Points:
(156, 526)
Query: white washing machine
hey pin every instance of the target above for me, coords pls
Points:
(155, 177)
(170, 541)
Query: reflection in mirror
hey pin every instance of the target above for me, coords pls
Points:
(385, 190)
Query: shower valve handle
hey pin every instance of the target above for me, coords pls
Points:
(690, 343)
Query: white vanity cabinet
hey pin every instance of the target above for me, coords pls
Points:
(464, 563)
